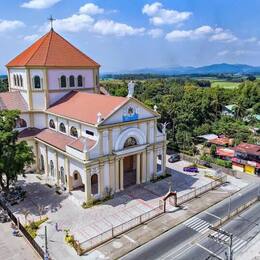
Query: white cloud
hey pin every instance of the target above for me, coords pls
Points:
(222, 35)
(91, 9)
(199, 32)
(74, 23)
(109, 27)
(251, 40)
(7, 25)
(155, 33)
(223, 53)
(159, 16)
(40, 4)
(31, 38)
(213, 34)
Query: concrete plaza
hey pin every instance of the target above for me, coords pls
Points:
(65, 209)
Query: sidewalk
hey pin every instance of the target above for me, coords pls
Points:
(13, 248)
(121, 245)
(252, 250)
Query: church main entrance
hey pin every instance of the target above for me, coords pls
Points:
(129, 171)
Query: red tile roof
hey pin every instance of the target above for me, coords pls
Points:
(60, 140)
(79, 143)
(84, 106)
(13, 100)
(29, 132)
(220, 141)
(52, 50)
(225, 152)
(248, 148)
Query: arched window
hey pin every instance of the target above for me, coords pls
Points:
(15, 81)
(94, 184)
(131, 141)
(52, 124)
(72, 81)
(62, 175)
(73, 131)
(62, 128)
(21, 80)
(18, 80)
(52, 168)
(76, 175)
(21, 123)
(37, 82)
(63, 82)
(80, 81)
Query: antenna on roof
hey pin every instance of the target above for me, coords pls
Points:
(51, 19)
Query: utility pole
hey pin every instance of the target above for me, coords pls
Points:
(229, 205)
(223, 239)
(46, 254)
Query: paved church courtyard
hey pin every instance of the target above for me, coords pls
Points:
(65, 209)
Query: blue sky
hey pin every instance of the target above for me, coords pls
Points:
(129, 34)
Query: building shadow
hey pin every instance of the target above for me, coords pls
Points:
(39, 199)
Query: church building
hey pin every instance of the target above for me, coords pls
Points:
(83, 139)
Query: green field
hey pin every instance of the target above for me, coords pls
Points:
(224, 84)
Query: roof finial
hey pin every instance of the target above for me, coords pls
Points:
(51, 19)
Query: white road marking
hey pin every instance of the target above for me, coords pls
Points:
(213, 215)
(130, 239)
(197, 224)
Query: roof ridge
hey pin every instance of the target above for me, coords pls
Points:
(78, 50)
(47, 52)
(42, 38)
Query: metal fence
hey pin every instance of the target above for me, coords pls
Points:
(119, 229)
(201, 190)
(33, 243)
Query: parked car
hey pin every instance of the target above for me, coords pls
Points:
(174, 158)
(206, 164)
(190, 169)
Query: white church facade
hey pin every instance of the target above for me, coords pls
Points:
(82, 139)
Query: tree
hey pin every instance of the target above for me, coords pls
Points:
(251, 78)
(3, 84)
(14, 155)
(213, 150)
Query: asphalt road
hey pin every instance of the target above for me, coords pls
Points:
(244, 228)
(173, 244)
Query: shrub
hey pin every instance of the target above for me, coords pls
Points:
(34, 226)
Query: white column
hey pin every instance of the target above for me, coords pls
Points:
(37, 160)
(117, 174)
(46, 162)
(164, 159)
(112, 175)
(122, 174)
(143, 166)
(101, 180)
(87, 184)
(138, 168)
(148, 174)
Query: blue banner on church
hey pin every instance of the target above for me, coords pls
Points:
(130, 117)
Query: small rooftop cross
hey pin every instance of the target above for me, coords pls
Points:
(51, 19)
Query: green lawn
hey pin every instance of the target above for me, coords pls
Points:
(224, 84)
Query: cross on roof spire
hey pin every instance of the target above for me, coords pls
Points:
(51, 19)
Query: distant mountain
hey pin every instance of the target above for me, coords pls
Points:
(3, 76)
(210, 69)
